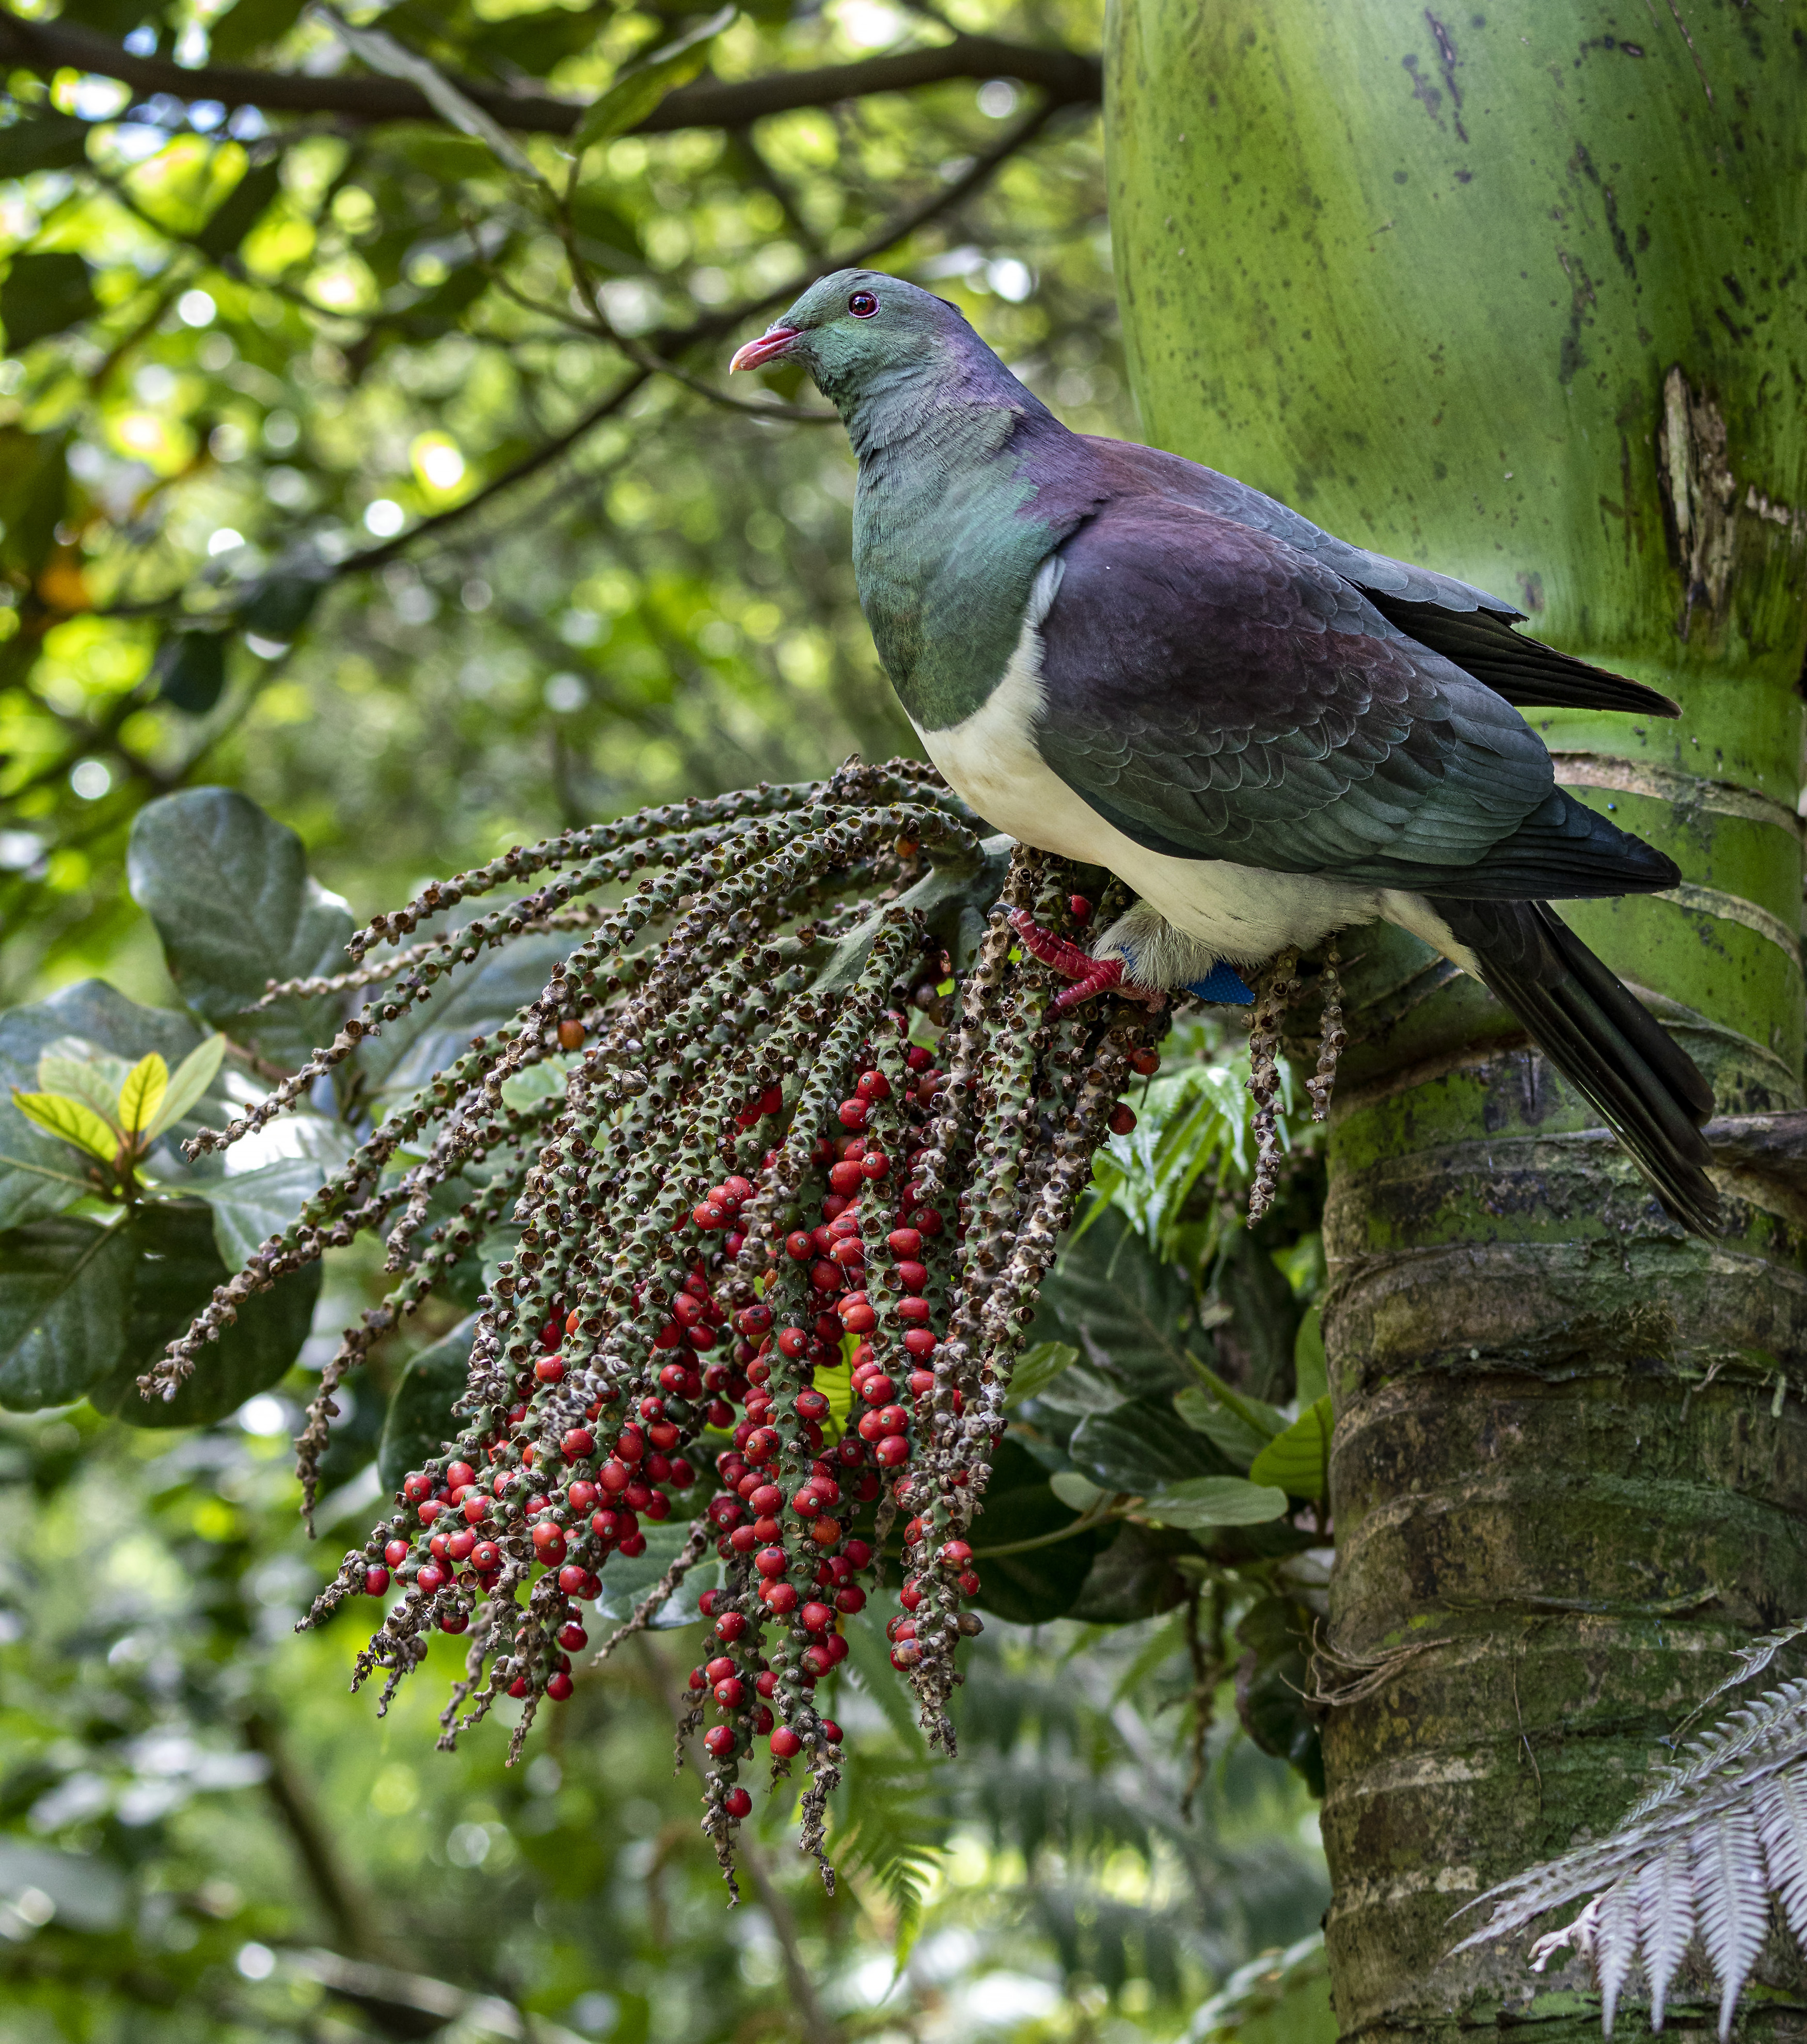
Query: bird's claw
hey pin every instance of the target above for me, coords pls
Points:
(1089, 975)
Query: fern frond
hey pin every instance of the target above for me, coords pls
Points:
(1700, 1856)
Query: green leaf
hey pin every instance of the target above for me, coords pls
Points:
(1135, 1446)
(1311, 1373)
(1215, 1501)
(252, 1206)
(473, 1000)
(249, 27)
(420, 1420)
(1038, 1585)
(240, 209)
(1077, 1492)
(43, 141)
(72, 1120)
(190, 669)
(626, 1578)
(1037, 1367)
(91, 1021)
(228, 890)
(382, 52)
(1272, 1678)
(65, 1303)
(1135, 1576)
(282, 604)
(189, 1082)
(176, 1270)
(1299, 1460)
(142, 1096)
(1240, 1436)
(638, 88)
(1128, 1314)
(43, 295)
(75, 1068)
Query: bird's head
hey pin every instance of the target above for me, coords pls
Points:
(858, 330)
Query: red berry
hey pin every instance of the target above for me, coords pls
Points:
(433, 1576)
(850, 1598)
(793, 1341)
(784, 1742)
(573, 1638)
(418, 1489)
(632, 1544)
(910, 1596)
(826, 1532)
(969, 1584)
(873, 1086)
(720, 1740)
(1122, 1118)
(485, 1556)
(738, 1803)
(770, 1561)
(1146, 1061)
(578, 1443)
(878, 1390)
(915, 1312)
(955, 1554)
(846, 1177)
(396, 1553)
(921, 1383)
(572, 1577)
(581, 1496)
(376, 1581)
(853, 1113)
(921, 1342)
(825, 1277)
(893, 1451)
(815, 1616)
(913, 1277)
(798, 1247)
(859, 1318)
(781, 1598)
(831, 1731)
(859, 1554)
(730, 1626)
(730, 1694)
(905, 1654)
(709, 1216)
(875, 1164)
(817, 1661)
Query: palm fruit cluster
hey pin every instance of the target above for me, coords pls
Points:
(821, 1115)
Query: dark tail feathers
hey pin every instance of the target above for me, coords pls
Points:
(1648, 1091)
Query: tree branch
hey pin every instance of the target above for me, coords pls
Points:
(1067, 78)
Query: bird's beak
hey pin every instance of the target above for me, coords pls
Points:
(770, 345)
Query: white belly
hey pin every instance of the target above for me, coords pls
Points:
(1236, 912)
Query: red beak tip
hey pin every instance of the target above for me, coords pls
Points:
(766, 348)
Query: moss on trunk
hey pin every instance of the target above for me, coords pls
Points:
(1517, 295)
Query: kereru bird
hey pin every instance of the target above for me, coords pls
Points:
(1267, 734)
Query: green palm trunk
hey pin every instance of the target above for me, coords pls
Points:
(1521, 295)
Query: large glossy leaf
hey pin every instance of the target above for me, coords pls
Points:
(1240, 1427)
(1299, 1460)
(1134, 1577)
(1037, 1367)
(627, 1578)
(475, 1000)
(1139, 1446)
(175, 1269)
(1215, 1501)
(1035, 1584)
(253, 1206)
(43, 295)
(228, 890)
(420, 1420)
(69, 1121)
(65, 1309)
(1128, 1314)
(1272, 1680)
(40, 1175)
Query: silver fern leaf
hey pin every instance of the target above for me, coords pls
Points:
(1698, 1858)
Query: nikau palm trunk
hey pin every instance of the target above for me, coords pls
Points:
(1520, 295)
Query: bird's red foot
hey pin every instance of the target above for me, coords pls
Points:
(1089, 975)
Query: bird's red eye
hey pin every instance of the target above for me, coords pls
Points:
(863, 305)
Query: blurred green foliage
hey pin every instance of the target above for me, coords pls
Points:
(325, 475)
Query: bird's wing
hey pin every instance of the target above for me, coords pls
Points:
(1454, 618)
(1216, 694)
